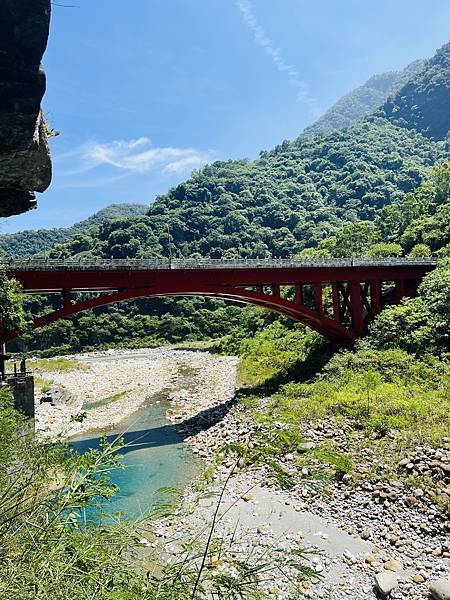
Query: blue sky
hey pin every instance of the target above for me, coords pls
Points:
(145, 91)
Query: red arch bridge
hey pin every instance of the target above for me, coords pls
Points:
(338, 298)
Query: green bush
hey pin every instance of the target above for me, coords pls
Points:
(384, 391)
(421, 324)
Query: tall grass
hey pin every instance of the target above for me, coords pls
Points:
(383, 391)
(49, 551)
(57, 365)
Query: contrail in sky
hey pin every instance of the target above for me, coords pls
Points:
(246, 9)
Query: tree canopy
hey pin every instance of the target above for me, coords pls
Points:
(12, 313)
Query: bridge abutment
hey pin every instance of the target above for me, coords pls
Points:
(22, 386)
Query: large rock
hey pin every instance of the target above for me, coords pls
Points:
(440, 589)
(25, 165)
(385, 582)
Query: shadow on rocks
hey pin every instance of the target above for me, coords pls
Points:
(205, 418)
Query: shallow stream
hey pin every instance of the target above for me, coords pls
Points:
(154, 456)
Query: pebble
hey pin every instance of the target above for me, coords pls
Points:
(405, 527)
(393, 565)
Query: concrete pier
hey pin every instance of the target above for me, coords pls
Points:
(22, 385)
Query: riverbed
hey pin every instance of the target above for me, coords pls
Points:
(177, 421)
(143, 394)
(154, 456)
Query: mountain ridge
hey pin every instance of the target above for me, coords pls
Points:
(292, 196)
(32, 241)
(317, 188)
(364, 99)
(295, 195)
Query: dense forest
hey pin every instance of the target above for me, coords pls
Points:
(364, 99)
(27, 243)
(358, 190)
(422, 104)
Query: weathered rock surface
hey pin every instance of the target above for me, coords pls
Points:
(25, 165)
(385, 582)
(440, 589)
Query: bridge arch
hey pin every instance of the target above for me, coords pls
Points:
(296, 312)
(356, 286)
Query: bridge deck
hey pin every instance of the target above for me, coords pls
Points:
(34, 264)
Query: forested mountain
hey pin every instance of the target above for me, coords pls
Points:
(423, 103)
(322, 194)
(364, 99)
(27, 243)
(347, 110)
(289, 199)
(298, 194)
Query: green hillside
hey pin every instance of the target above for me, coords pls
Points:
(27, 243)
(423, 103)
(325, 194)
(299, 193)
(364, 99)
(347, 110)
(290, 199)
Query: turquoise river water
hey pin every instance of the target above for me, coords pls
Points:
(155, 457)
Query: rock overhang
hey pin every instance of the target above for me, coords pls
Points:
(25, 163)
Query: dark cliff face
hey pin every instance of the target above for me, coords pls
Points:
(25, 165)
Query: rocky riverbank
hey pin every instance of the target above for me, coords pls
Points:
(381, 526)
(381, 530)
(109, 386)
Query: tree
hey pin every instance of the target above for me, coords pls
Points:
(420, 250)
(12, 313)
(421, 324)
(352, 240)
(383, 250)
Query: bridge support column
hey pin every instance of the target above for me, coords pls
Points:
(318, 298)
(67, 297)
(275, 289)
(399, 289)
(356, 307)
(299, 294)
(375, 296)
(22, 386)
(2, 360)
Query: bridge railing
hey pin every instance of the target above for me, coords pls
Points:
(38, 264)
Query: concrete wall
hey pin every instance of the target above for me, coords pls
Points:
(23, 392)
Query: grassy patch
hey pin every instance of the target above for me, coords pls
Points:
(58, 365)
(387, 402)
(105, 401)
(43, 384)
(273, 352)
(341, 463)
(194, 345)
(414, 410)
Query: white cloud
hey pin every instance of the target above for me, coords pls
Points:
(246, 9)
(139, 156)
